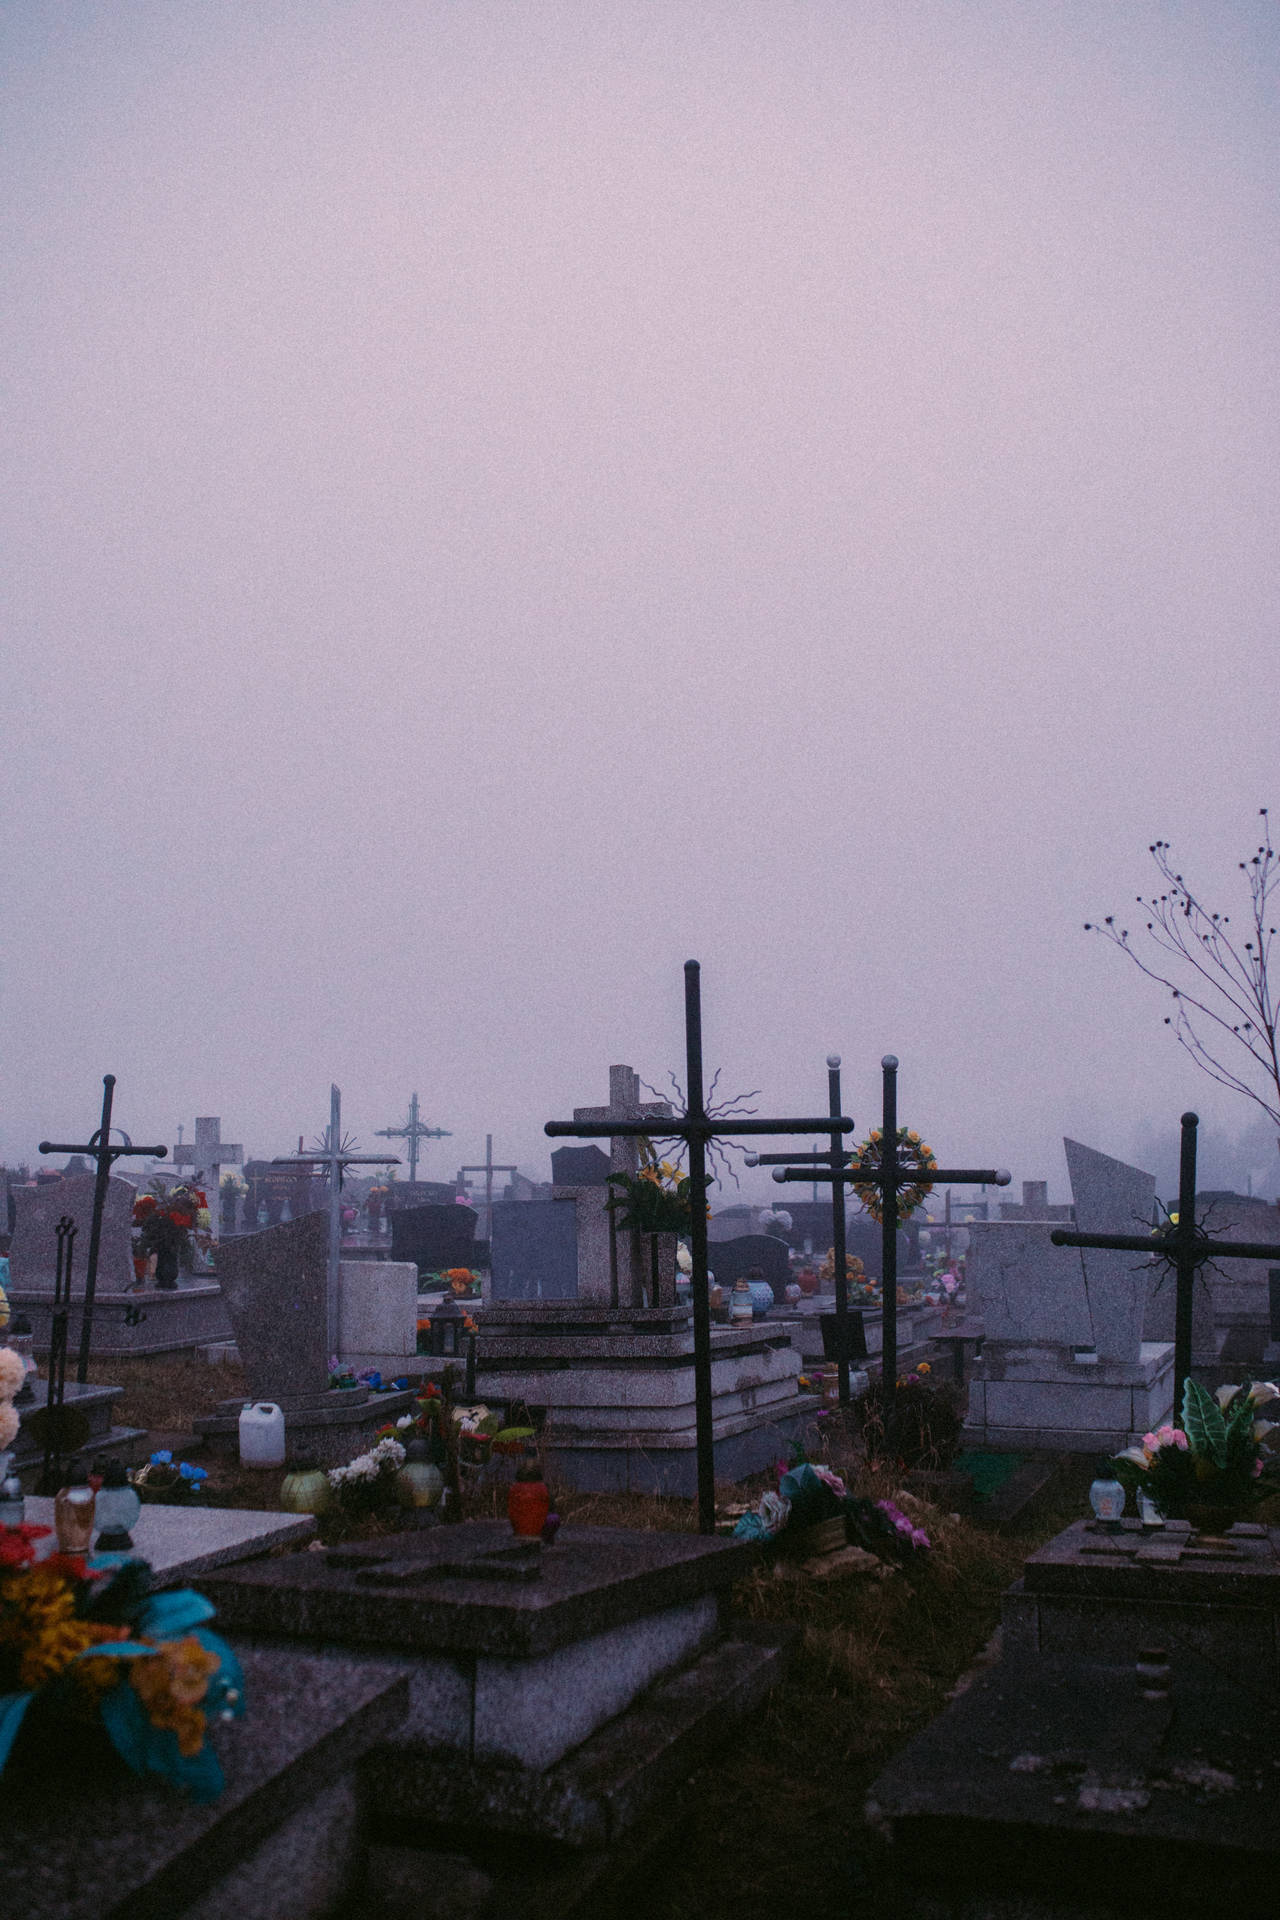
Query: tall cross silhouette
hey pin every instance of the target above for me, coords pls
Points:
(100, 1150)
(890, 1172)
(1186, 1246)
(413, 1131)
(335, 1157)
(697, 1128)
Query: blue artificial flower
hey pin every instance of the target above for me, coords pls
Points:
(187, 1471)
(162, 1459)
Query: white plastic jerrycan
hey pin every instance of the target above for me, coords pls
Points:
(261, 1435)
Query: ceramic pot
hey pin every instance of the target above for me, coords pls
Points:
(762, 1300)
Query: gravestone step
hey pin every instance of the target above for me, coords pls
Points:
(284, 1837)
(597, 1793)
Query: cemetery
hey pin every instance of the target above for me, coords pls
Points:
(549, 1554)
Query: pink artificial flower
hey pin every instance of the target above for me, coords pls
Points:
(1150, 1443)
(1164, 1436)
(1257, 1469)
(1180, 1439)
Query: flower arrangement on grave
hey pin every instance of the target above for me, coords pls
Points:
(927, 1421)
(1217, 1465)
(174, 1482)
(424, 1422)
(862, 1291)
(170, 1224)
(654, 1200)
(13, 1374)
(813, 1510)
(913, 1156)
(462, 1282)
(79, 1647)
(368, 1482)
(475, 1430)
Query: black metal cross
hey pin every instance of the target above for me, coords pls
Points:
(99, 1147)
(889, 1174)
(413, 1131)
(697, 1128)
(1185, 1245)
(836, 1163)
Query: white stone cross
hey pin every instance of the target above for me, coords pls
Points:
(625, 1104)
(207, 1157)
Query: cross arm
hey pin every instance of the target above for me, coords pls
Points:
(326, 1160)
(1166, 1244)
(906, 1177)
(676, 1129)
(790, 1159)
(116, 1153)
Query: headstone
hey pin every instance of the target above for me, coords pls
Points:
(402, 1194)
(587, 1166)
(1065, 1363)
(206, 1157)
(435, 1237)
(33, 1253)
(1237, 1290)
(735, 1259)
(274, 1285)
(601, 1252)
(377, 1310)
(535, 1250)
(1034, 1205)
(732, 1223)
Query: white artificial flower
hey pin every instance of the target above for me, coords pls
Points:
(1261, 1428)
(1262, 1391)
(1137, 1455)
(1225, 1395)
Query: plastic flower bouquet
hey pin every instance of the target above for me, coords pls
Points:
(655, 1200)
(368, 1482)
(79, 1647)
(1214, 1468)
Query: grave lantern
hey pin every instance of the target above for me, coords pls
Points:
(447, 1329)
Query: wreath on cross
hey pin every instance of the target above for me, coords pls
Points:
(913, 1155)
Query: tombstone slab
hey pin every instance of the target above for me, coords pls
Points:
(274, 1286)
(33, 1251)
(734, 1259)
(377, 1310)
(435, 1237)
(534, 1252)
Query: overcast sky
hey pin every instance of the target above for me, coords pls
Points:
(500, 498)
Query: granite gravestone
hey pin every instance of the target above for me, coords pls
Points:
(535, 1250)
(587, 1166)
(617, 1268)
(435, 1237)
(274, 1285)
(736, 1259)
(33, 1252)
(1065, 1363)
(1233, 1294)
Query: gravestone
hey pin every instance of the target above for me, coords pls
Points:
(436, 1237)
(735, 1259)
(1237, 1300)
(534, 1251)
(734, 1223)
(587, 1166)
(402, 1194)
(1065, 1363)
(33, 1252)
(377, 1312)
(616, 1268)
(205, 1157)
(275, 1284)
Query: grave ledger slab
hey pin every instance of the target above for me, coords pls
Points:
(285, 1838)
(517, 1653)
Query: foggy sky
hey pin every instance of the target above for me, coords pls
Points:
(499, 498)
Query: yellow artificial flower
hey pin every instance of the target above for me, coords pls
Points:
(170, 1683)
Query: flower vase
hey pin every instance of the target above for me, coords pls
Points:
(166, 1268)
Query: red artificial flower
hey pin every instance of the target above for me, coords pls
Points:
(143, 1205)
(183, 1219)
(17, 1544)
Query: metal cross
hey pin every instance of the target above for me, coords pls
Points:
(413, 1131)
(1185, 1245)
(489, 1168)
(697, 1128)
(100, 1149)
(889, 1175)
(836, 1161)
(335, 1158)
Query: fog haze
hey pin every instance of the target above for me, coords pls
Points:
(499, 499)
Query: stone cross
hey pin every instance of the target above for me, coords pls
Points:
(209, 1155)
(595, 1216)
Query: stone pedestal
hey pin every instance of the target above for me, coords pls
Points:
(618, 1389)
(130, 1323)
(332, 1427)
(1102, 1595)
(1045, 1395)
